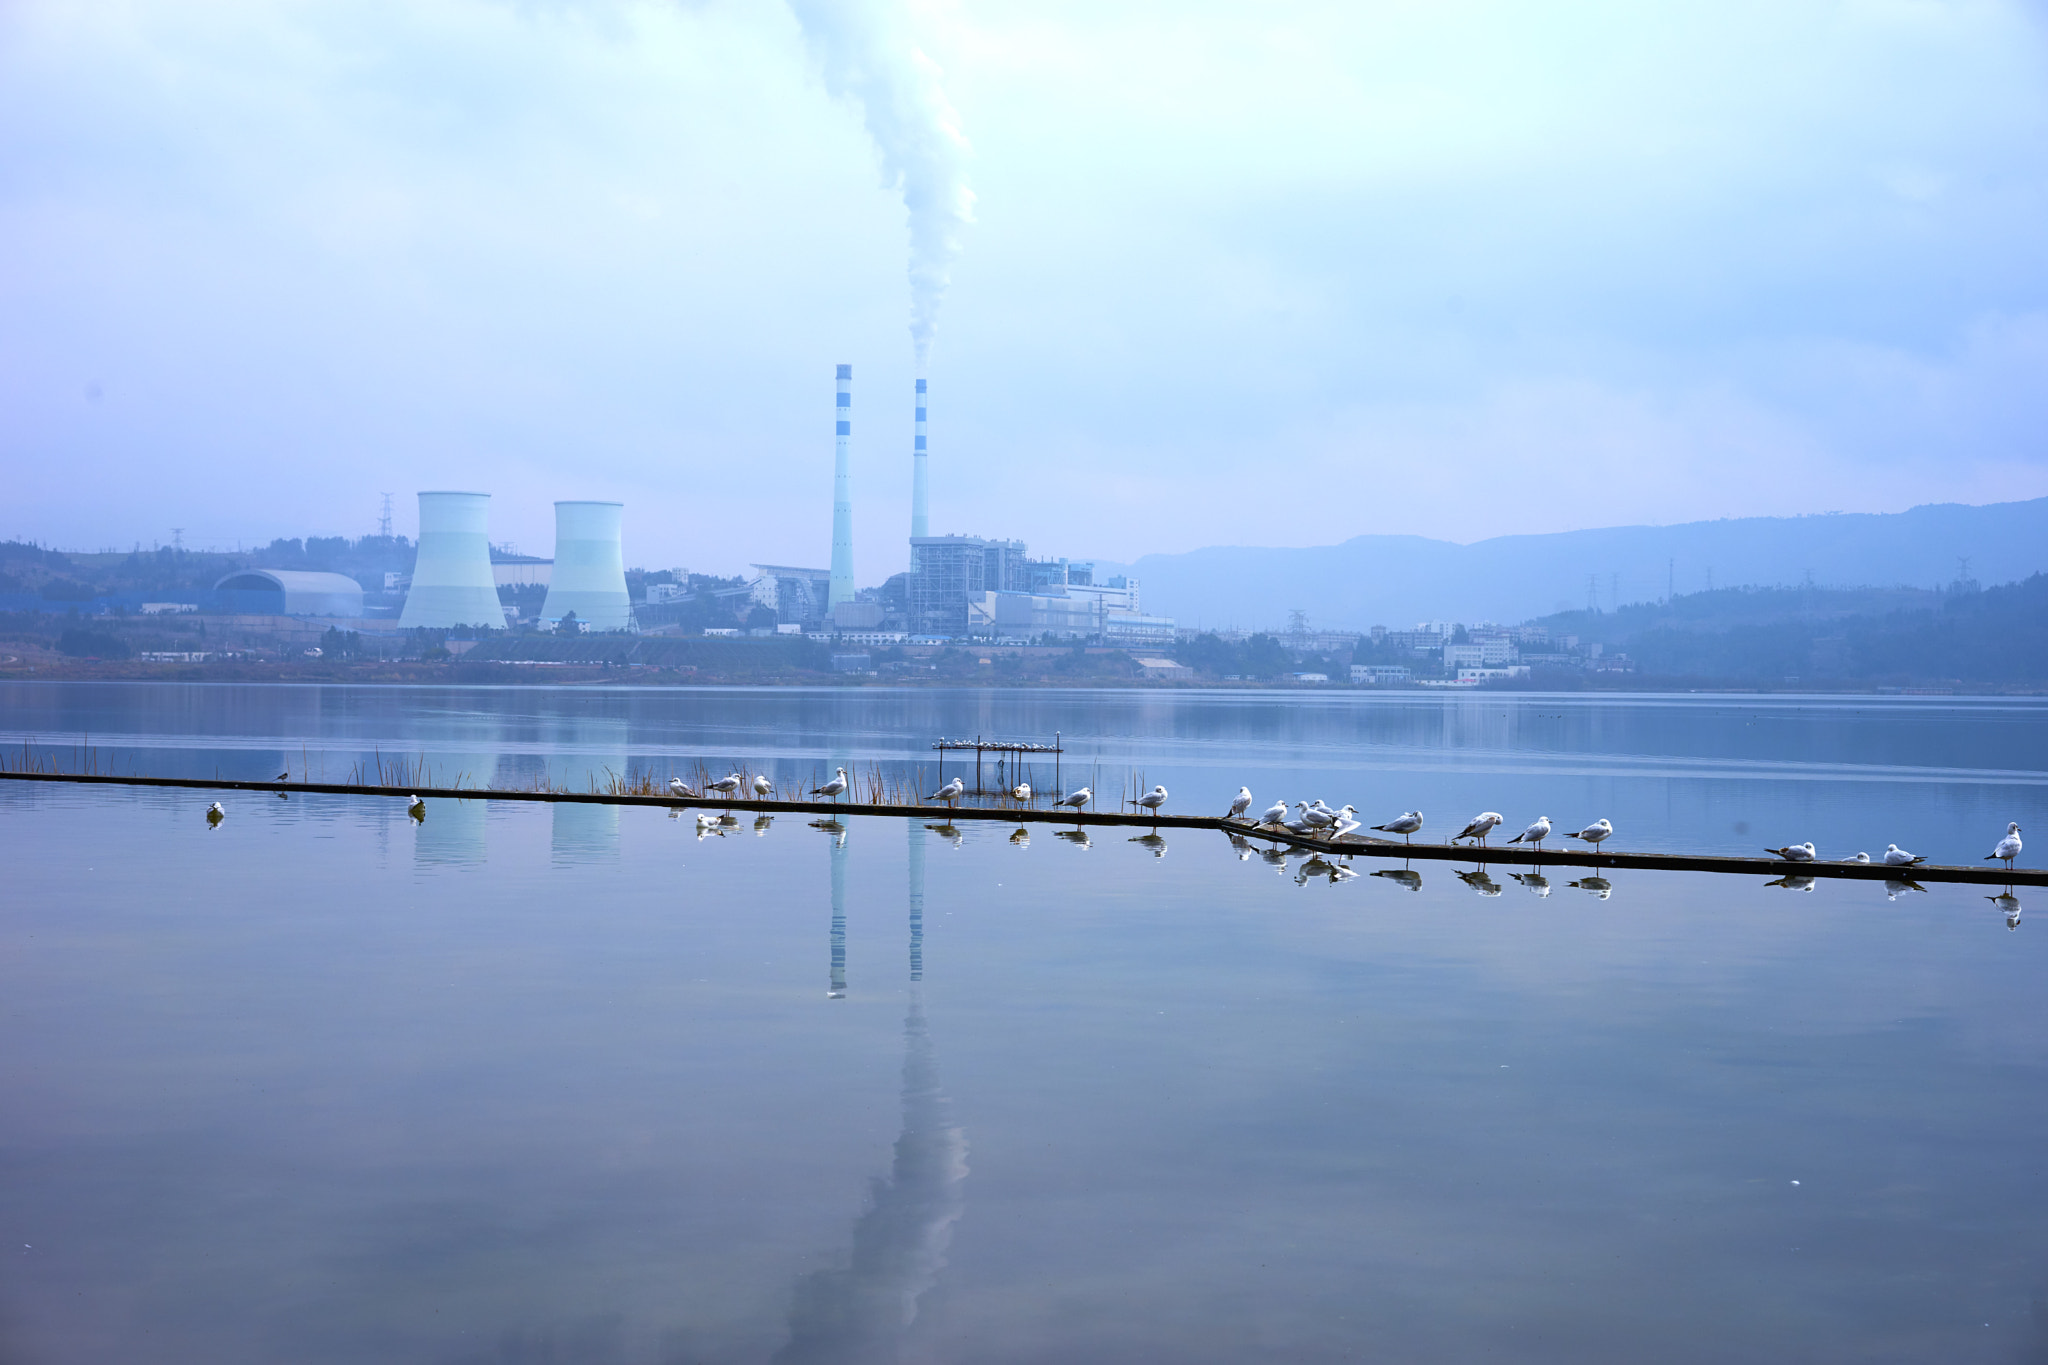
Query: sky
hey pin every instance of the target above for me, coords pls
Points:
(1191, 274)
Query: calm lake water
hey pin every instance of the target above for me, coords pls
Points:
(549, 1084)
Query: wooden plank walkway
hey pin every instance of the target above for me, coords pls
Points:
(1990, 874)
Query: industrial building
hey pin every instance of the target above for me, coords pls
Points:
(452, 581)
(589, 573)
(289, 592)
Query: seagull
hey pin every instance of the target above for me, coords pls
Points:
(949, 793)
(1535, 834)
(1240, 803)
(832, 788)
(762, 786)
(1409, 822)
(215, 813)
(728, 785)
(1153, 800)
(2008, 847)
(1857, 858)
(416, 808)
(1346, 827)
(1274, 814)
(1795, 853)
(1481, 823)
(676, 787)
(1021, 792)
(707, 823)
(1318, 816)
(1894, 856)
(1078, 798)
(1593, 833)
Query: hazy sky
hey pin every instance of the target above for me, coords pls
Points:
(1272, 273)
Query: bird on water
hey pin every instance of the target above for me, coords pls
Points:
(1796, 853)
(1481, 823)
(1406, 826)
(833, 788)
(2008, 847)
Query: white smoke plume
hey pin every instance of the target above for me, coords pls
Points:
(870, 56)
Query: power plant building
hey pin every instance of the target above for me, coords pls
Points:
(589, 573)
(289, 592)
(452, 581)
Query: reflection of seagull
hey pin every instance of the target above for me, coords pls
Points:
(1407, 877)
(1241, 844)
(1535, 834)
(762, 786)
(2010, 904)
(1479, 881)
(1409, 822)
(1894, 886)
(1481, 823)
(832, 788)
(1074, 836)
(1599, 886)
(1793, 881)
(1535, 881)
(949, 832)
(1857, 858)
(1240, 803)
(762, 822)
(949, 793)
(2008, 847)
(1021, 837)
(860, 1311)
(1153, 842)
(1795, 853)
(1894, 856)
(726, 785)
(1276, 856)
(1593, 833)
(1153, 800)
(1077, 798)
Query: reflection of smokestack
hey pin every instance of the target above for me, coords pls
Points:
(837, 990)
(842, 494)
(920, 489)
(452, 584)
(916, 900)
(589, 575)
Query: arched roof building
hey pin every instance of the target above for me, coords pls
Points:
(290, 592)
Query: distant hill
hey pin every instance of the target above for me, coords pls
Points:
(1399, 580)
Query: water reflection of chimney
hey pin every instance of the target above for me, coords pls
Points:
(837, 989)
(916, 899)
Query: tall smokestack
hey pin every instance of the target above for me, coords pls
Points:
(920, 489)
(842, 495)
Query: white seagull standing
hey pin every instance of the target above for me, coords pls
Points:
(1153, 800)
(727, 785)
(832, 788)
(1481, 823)
(1535, 834)
(949, 793)
(762, 786)
(1406, 826)
(2008, 847)
(1274, 813)
(1592, 833)
(1077, 798)
(1796, 853)
(1894, 856)
(676, 787)
(1240, 803)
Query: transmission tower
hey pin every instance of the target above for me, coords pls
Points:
(384, 520)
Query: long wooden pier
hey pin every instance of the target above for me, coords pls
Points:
(1991, 874)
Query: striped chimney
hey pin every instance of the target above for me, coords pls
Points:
(842, 494)
(920, 490)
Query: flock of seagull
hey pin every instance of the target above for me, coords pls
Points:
(2008, 849)
(1318, 820)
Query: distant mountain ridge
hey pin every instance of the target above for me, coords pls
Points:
(1400, 580)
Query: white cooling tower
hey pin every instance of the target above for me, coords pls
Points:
(452, 583)
(589, 577)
